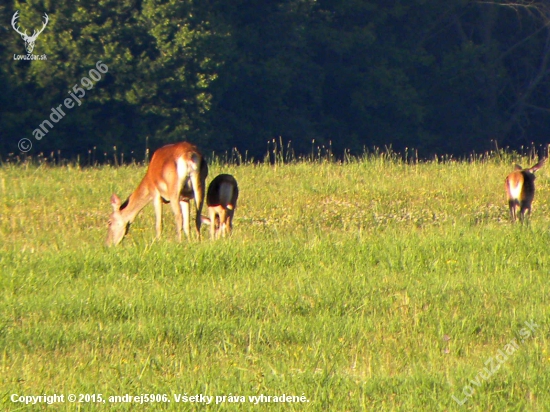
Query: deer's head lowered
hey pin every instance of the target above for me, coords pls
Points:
(29, 40)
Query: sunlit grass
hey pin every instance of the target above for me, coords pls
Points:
(369, 285)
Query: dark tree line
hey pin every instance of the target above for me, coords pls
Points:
(440, 76)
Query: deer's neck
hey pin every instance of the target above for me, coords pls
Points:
(136, 202)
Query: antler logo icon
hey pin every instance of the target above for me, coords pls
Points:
(29, 40)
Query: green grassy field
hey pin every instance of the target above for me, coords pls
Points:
(369, 285)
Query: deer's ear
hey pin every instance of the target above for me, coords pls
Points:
(518, 167)
(538, 166)
(115, 202)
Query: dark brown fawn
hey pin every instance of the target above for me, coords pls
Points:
(221, 200)
(520, 190)
(176, 173)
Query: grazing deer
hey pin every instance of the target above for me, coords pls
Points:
(221, 200)
(520, 190)
(176, 173)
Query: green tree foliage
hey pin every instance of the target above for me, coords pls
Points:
(439, 76)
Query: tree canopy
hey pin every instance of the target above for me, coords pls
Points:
(439, 76)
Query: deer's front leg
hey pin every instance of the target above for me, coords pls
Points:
(157, 204)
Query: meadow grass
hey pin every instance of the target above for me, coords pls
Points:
(369, 285)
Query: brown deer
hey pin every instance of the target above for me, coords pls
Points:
(520, 190)
(221, 200)
(176, 173)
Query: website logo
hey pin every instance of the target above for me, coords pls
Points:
(29, 40)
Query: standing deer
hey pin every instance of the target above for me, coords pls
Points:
(520, 190)
(176, 174)
(29, 40)
(221, 200)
